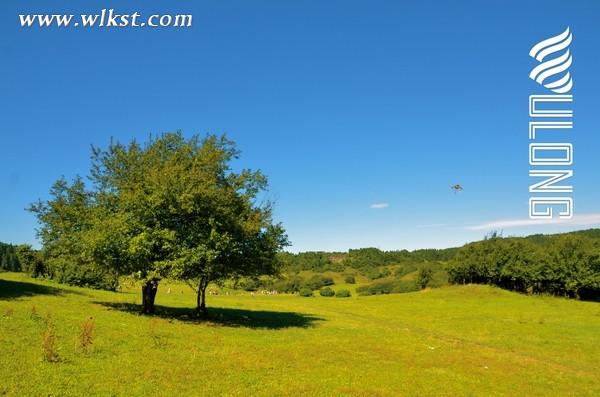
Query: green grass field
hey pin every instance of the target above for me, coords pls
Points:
(451, 341)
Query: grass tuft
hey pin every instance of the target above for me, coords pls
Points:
(86, 335)
(49, 346)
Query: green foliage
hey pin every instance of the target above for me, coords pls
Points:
(286, 284)
(319, 281)
(173, 207)
(9, 260)
(366, 258)
(424, 277)
(30, 260)
(440, 278)
(370, 258)
(349, 279)
(407, 268)
(290, 285)
(305, 292)
(387, 287)
(82, 274)
(314, 261)
(565, 265)
(377, 273)
(327, 292)
(66, 221)
(371, 262)
(343, 293)
(250, 284)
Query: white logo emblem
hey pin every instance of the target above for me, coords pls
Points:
(554, 66)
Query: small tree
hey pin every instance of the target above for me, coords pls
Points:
(30, 260)
(424, 277)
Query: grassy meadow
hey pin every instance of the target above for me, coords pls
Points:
(453, 341)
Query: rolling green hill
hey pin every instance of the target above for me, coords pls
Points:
(451, 341)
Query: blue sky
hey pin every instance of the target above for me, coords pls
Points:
(343, 104)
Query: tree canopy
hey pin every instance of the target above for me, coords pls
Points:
(9, 260)
(172, 207)
(565, 265)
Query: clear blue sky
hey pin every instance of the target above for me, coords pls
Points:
(343, 104)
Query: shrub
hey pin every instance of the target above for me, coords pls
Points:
(289, 286)
(387, 287)
(439, 279)
(250, 284)
(343, 293)
(335, 267)
(305, 292)
(424, 277)
(376, 288)
(30, 260)
(319, 281)
(327, 292)
(81, 274)
(403, 286)
(400, 271)
(349, 279)
(405, 269)
(86, 335)
(363, 290)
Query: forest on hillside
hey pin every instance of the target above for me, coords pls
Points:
(566, 264)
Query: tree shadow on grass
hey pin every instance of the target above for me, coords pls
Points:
(227, 317)
(18, 289)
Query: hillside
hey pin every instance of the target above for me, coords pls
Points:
(371, 258)
(459, 340)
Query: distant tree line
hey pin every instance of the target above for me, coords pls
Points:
(371, 262)
(286, 284)
(564, 265)
(9, 262)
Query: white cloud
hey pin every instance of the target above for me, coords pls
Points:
(378, 206)
(577, 220)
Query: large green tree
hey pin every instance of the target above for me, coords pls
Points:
(175, 207)
(131, 231)
(223, 232)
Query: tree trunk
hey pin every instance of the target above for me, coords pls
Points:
(148, 295)
(201, 298)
